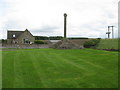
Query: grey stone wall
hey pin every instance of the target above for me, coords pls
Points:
(26, 46)
(26, 35)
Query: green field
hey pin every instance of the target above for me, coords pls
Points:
(108, 44)
(51, 68)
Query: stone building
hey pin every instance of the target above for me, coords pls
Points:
(20, 37)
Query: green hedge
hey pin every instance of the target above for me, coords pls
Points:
(91, 43)
(39, 42)
(77, 38)
(48, 38)
(3, 41)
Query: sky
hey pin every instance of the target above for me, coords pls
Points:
(85, 18)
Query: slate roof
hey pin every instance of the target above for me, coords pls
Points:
(16, 33)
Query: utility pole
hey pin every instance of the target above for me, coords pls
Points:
(108, 32)
(65, 23)
(112, 35)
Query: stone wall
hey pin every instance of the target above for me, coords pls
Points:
(25, 46)
(26, 35)
(79, 42)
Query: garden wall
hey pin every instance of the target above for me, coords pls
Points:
(25, 46)
(76, 41)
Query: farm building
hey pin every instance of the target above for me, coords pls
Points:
(20, 37)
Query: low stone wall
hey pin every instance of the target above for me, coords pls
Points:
(25, 46)
(79, 42)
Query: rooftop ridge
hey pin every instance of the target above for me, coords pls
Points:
(15, 30)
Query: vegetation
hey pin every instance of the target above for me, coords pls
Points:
(3, 41)
(77, 38)
(41, 38)
(48, 38)
(51, 68)
(108, 44)
(39, 42)
(56, 38)
(91, 43)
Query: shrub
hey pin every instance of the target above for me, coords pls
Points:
(3, 41)
(55, 38)
(48, 38)
(77, 38)
(39, 42)
(41, 38)
(91, 43)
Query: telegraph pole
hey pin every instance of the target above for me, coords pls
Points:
(65, 23)
(112, 35)
(108, 32)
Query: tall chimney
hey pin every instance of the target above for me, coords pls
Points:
(65, 22)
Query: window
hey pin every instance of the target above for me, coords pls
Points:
(13, 35)
(26, 41)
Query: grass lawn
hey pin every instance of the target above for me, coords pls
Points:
(51, 68)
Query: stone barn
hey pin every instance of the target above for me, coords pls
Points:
(20, 37)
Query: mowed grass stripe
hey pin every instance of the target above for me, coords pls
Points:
(72, 72)
(29, 73)
(93, 56)
(25, 75)
(103, 57)
(107, 66)
(51, 55)
(53, 75)
(93, 70)
(19, 79)
(54, 55)
(8, 70)
(89, 59)
(50, 68)
(103, 62)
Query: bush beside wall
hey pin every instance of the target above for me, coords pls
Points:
(91, 43)
(3, 41)
(39, 42)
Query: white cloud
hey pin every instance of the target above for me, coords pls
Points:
(85, 18)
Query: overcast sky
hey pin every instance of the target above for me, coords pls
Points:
(86, 18)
